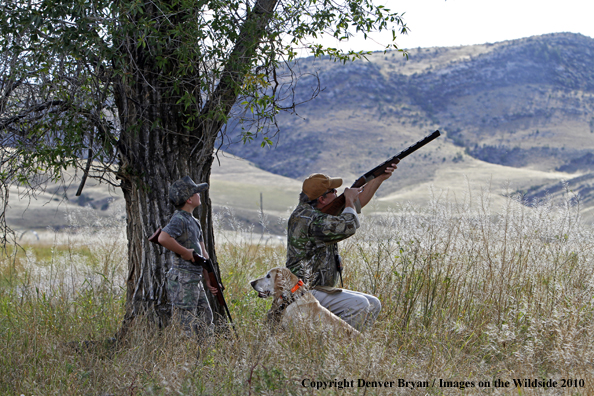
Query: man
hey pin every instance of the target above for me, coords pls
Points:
(312, 250)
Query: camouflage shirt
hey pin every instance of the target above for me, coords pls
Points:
(312, 243)
(186, 230)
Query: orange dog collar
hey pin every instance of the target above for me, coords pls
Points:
(297, 286)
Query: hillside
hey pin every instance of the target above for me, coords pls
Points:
(236, 185)
(522, 104)
(516, 116)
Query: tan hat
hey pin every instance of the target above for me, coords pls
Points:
(317, 184)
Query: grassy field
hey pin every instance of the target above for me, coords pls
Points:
(472, 296)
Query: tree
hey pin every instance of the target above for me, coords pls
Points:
(136, 92)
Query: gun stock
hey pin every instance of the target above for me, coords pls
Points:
(337, 205)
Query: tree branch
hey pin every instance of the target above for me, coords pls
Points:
(233, 75)
(6, 122)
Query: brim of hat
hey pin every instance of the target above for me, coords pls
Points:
(201, 187)
(335, 182)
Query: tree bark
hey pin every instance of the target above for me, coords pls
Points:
(156, 147)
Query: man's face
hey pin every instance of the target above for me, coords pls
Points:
(327, 197)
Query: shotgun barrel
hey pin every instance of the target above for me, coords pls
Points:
(337, 205)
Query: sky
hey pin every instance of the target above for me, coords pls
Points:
(441, 23)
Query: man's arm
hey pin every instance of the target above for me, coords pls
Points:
(371, 187)
(332, 229)
(350, 196)
(212, 289)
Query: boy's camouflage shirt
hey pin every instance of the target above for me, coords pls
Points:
(312, 238)
(185, 229)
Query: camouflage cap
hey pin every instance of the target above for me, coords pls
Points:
(182, 189)
(317, 184)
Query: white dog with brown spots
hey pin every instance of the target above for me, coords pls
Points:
(293, 305)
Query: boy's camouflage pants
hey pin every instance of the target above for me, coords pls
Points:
(190, 305)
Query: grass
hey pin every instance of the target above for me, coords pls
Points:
(470, 296)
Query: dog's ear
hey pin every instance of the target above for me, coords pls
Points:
(290, 278)
(279, 279)
(284, 280)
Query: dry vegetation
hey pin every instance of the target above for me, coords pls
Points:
(469, 294)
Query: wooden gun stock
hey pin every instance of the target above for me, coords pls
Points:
(207, 265)
(336, 207)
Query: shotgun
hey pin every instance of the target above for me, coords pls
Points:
(337, 205)
(207, 265)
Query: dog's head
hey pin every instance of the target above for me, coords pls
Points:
(275, 282)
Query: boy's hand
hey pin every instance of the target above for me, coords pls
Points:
(188, 255)
(213, 290)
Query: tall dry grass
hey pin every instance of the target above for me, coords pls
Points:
(470, 293)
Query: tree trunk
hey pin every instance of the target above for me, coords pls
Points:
(158, 145)
(152, 158)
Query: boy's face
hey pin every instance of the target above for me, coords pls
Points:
(194, 200)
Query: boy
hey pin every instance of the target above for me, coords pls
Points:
(183, 236)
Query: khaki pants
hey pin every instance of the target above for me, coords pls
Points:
(360, 310)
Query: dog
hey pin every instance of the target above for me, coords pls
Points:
(294, 306)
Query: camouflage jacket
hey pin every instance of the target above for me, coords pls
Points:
(312, 243)
(186, 230)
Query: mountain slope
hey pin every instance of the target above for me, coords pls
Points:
(525, 103)
(518, 115)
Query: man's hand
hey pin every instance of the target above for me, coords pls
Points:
(373, 185)
(350, 196)
(389, 170)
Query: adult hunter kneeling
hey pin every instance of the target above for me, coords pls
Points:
(312, 250)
